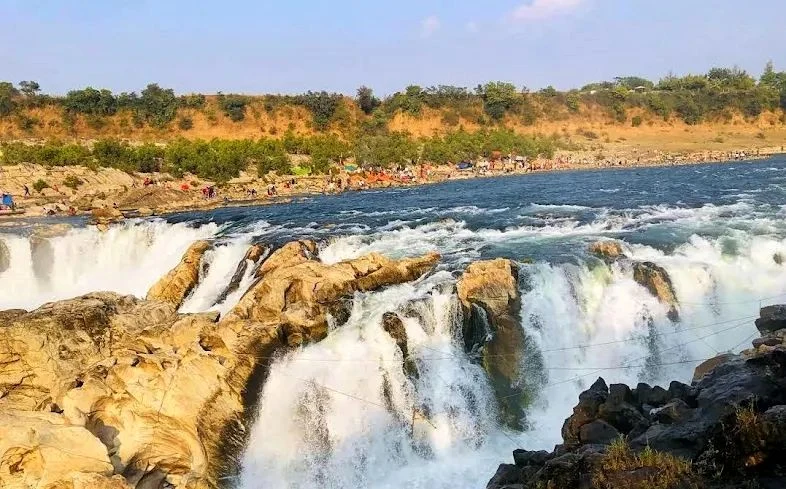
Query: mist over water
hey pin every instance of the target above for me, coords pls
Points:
(343, 412)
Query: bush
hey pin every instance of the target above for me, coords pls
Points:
(636, 121)
(72, 182)
(322, 105)
(40, 185)
(185, 123)
(234, 106)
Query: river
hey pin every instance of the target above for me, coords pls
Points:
(342, 413)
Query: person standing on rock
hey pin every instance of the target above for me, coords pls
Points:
(27, 191)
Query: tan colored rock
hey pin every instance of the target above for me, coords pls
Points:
(145, 212)
(51, 231)
(657, 281)
(608, 250)
(175, 286)
(709, 365)
(165, 396)
(289, 255)
(490, 299)
(300, 292)
(39, 449)
(106, 215)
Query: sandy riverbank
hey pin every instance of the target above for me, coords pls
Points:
(113, 189)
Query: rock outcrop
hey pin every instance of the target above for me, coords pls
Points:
(104, 216)
(608, 250)
(300, 292)
(490, 299)
(110, 391)
(255, 254)
(656, 280)
(175, 286)
(725, 430)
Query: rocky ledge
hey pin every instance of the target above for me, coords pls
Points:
(111, 391)
(725, 430)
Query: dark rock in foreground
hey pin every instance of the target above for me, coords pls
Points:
(726, 430)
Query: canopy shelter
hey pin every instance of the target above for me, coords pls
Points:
(8, 201)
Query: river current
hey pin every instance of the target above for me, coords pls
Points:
(342, 413)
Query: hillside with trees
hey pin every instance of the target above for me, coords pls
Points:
(218, 135)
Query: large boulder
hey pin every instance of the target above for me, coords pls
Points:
(771, 319)
(394, 326)
(175, 286)
(301, 292)
(608, 250)
(106, 215)
(39, 449)
(490, 300)
(657, 281)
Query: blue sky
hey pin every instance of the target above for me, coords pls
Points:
(290, 46)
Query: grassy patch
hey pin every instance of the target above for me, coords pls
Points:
(650, 469)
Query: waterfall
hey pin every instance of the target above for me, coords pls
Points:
(127, 259)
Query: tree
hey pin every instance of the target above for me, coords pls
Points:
(366, 100)
(91, 101)
(157, 106)
(29, 88)
(498, 98)
(322, 106)
(769, 77)
(8, 96)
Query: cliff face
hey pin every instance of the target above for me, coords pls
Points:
(725, 430)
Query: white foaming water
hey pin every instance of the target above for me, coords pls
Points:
(127, 259)
(340, 413)
(221, 261)
(585, 320)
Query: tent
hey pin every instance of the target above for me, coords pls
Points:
(8, 201)
(464, 165)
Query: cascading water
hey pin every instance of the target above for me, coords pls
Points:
(127, 259)
(344, 412)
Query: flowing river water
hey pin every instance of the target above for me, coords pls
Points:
(342, 413)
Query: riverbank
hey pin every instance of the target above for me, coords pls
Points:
(77, 190)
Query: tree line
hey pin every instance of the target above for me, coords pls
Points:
(221, 160)
(719, 93)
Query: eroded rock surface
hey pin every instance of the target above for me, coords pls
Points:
(490, 299)
(657, 281)
(608, 250)
(110, 391)
(175, 286)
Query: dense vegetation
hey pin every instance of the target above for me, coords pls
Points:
(222, 160)
(357, 129)
(718, 94)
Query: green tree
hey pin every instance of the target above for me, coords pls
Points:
(8, 95)
(366, 100)
(157, 106)
(498, 98)
(29, 88)
(91, 101)
(322, 106)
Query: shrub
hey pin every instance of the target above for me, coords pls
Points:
(636, 121)
(40, 185)
(72, 182)
(234, 106)
(185, 123)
